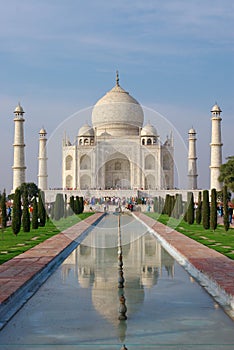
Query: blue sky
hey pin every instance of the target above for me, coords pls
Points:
(59, 57)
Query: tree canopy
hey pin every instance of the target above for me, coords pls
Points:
(227, 173)
(31, 188)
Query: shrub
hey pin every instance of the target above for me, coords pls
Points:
(41, 209)
(206, 210)
(3, 209)
(81, 199)
(59, 207)
(72, 203)
(213, 210)
(199, 209)
(179, 205)
(77, 205)
(16, 218)
(35, 214)
(190, 210)
(26, 215)
(156, 205)
(225, 208)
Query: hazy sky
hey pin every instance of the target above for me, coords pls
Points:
(59, 57)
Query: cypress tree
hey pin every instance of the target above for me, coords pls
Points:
(213, 210)
(206, 210)
(160, 204)
(185, 211)
(52, 211)
(3, 210)
(35, 214)
(166, 204)
(81, 205)
(25, 215)
(41, 209)
(171, 206)
(225, 208)
(156, 204)
(65, 206)
(59, 207)
(77, 205)
(180, 205)
(176, 208)
(72, 204)
(190, 210)
(199, 209)
(16, 218)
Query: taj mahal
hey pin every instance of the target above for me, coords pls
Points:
(118, 151)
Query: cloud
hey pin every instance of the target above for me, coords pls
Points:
(60, 29)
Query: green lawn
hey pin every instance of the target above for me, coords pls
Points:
(219, 240)
(11, 245)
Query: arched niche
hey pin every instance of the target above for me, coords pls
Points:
(149, 162)
(68, 162)
(69, 180)
(85, 182)
(150, 182)
(85, 162)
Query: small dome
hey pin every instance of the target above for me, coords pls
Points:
(192, 131)
(149, 130)
(216, 108)
(42, 131)
(86, 130)
(19, 109)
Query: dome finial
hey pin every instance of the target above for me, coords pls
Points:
(117, 78)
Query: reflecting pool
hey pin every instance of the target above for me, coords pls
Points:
(78, 306)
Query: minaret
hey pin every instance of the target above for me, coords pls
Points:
(192, 160)
(215, 148)
(42, 161)
(19, 159)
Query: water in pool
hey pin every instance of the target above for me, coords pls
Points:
(78, 306)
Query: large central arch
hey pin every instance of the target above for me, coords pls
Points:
(117, 172)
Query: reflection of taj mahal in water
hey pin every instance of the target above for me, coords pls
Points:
(117, 151)
(95, 264)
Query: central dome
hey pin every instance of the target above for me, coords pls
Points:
(117, 108)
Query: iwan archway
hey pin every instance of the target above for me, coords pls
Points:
(117, 172)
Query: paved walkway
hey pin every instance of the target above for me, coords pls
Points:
(216, 267)
(16, 273)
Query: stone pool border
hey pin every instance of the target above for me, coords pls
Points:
(21, 276)
(213, 271)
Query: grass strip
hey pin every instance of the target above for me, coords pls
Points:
(11, 245)
(220, 240)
